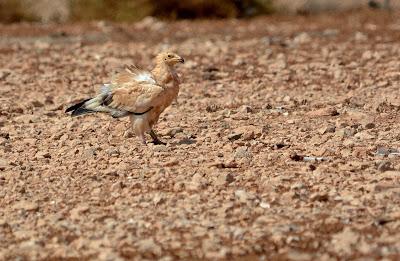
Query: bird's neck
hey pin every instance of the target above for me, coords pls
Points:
(165, 74)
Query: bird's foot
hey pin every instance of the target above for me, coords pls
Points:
(156, 140)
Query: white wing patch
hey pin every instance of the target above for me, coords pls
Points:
(146, 77)
(140, 75)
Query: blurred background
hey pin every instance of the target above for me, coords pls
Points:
(61, 11)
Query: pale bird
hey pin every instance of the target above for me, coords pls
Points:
(139, 94)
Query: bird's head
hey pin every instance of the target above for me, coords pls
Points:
(169, 58)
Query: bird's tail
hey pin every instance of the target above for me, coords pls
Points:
(80, 108)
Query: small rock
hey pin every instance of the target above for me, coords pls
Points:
(224, 165)
(3, 141)
(128, 134)
(384, 166)
(238, 61)
(210, 76)
(90, 152)
(279, 146)
(302, 38)
(158, 199)
(364, 136)
(161, 148)
(327, 129)
(360, 37)
(173, 131)
(329, 111)
(243, 152)
(345, 241)
(382, 221)
(345, 132)
(296, 157)
(186, 141)
(383, 151)
(297, 186)
(4, 74)
(330, 32)
(382, 84)
(298, 256)
(369, 125)
(319, 197)
(338, 74)
(314, 159)
(42, 155)
(114, 152)
(245, 109)
(179, 186)
(117, 186)
(171, 162)
(384, 185)
(3, 223)
(3, 164)
(49, 100)
(212, 108)
(29, 141)
(221, 254)
(356, 115)
(41, 44)
(243, 196)
(26, 205)
(148, 246)
(27, 118)
(265, 205)
(197, 183)
(224, 179)
(248, 132)
(37, 104)
(248, 135)
(286, 98)
(367, 55)
(234, 136)
(76, 213)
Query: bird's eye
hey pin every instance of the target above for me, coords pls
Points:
(169, 56)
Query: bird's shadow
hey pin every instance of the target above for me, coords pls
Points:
(184, 141)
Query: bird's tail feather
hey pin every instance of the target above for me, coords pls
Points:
(81, 111)
(79, 108)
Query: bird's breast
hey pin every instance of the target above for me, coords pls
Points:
(167, 98)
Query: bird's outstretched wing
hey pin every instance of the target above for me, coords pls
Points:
(132, 74)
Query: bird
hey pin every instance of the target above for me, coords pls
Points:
(138, 94)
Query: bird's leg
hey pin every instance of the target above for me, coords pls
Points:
(144, 140)
(156, 140)
(137, 126)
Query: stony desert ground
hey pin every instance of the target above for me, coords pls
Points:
(283, 143)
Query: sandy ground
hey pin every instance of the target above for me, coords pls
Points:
(282, 145)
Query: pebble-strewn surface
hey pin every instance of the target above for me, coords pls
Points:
(284, 142)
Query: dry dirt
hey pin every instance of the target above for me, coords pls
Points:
(283, 143)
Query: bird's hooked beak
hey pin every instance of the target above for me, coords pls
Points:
(173, 59)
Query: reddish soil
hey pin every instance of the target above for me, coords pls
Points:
(283, 143)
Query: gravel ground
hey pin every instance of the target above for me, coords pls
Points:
(283, 143)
